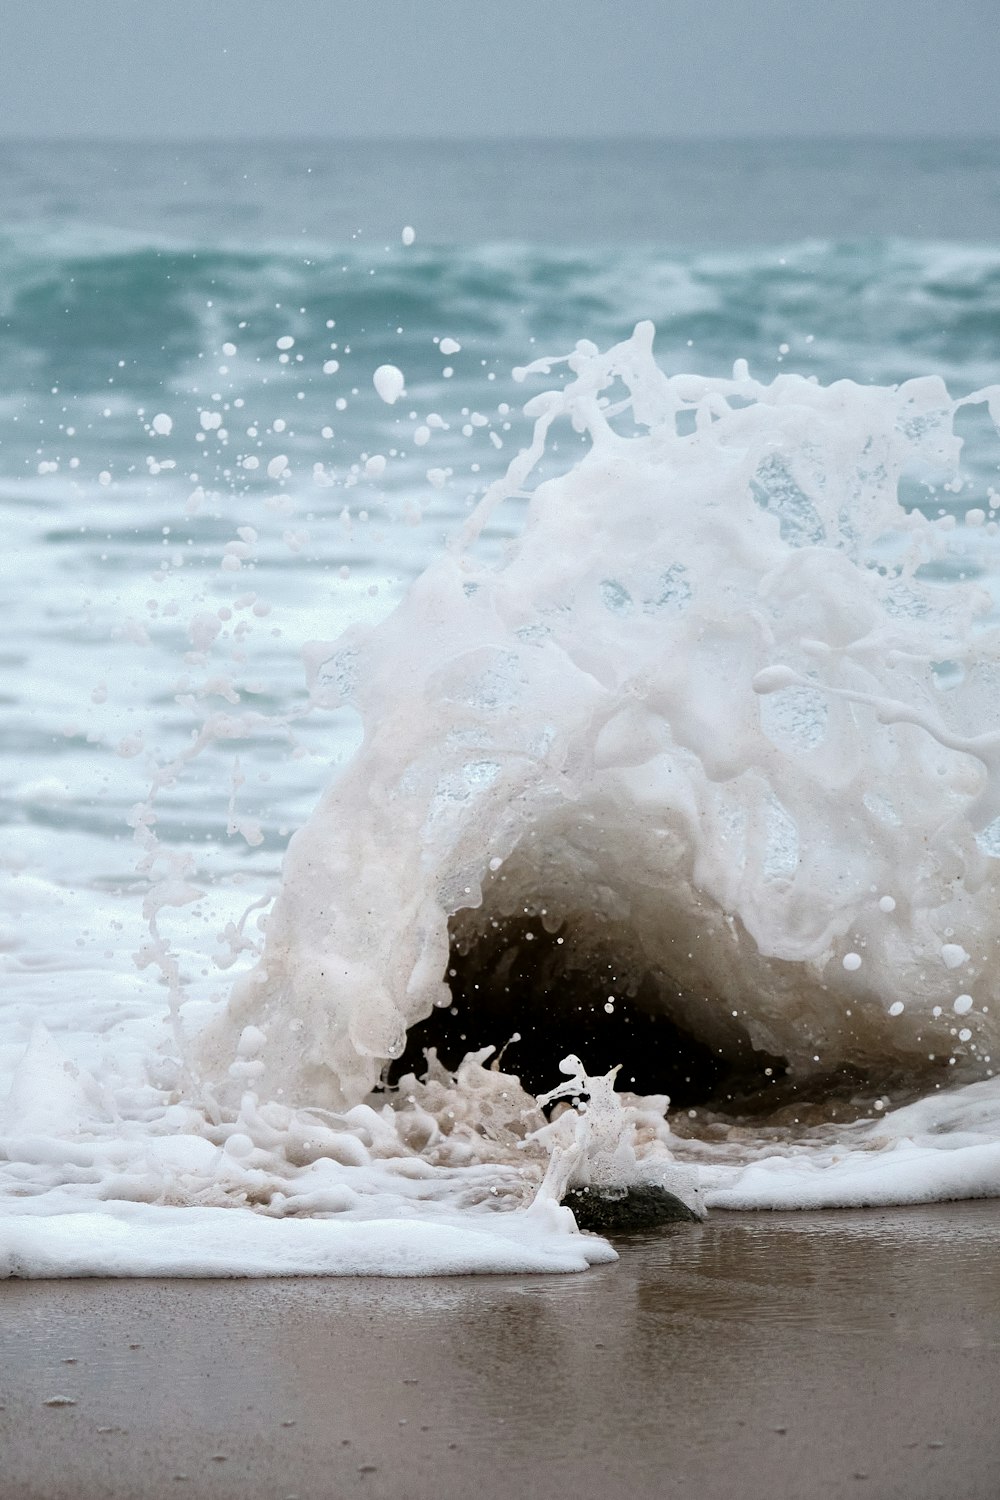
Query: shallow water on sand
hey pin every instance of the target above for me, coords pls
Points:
(772, 1355)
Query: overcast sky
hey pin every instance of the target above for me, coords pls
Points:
(237, 68)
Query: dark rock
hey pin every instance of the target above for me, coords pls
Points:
(627, 1210)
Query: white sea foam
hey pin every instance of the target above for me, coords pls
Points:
(697, 705)
(726, 711)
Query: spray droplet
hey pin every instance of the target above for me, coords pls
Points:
(389, 382)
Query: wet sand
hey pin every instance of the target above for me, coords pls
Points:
(770, 1355)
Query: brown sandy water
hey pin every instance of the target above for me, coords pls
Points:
(770, 1355)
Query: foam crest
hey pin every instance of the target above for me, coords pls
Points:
(714, 713)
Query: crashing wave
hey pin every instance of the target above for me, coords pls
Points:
(716, 734)
(698, 777)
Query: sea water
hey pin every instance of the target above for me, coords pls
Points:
(396, 628)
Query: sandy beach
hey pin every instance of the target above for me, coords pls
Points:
(777, 1355)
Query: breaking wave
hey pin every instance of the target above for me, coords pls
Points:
(713, 744)
(700, 776)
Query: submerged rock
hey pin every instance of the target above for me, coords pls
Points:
(627, 1210)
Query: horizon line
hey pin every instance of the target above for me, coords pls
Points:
(310, 138)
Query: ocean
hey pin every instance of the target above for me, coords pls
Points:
(632, 697)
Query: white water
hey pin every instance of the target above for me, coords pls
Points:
(726, 712)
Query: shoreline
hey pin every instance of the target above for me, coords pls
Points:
(829, 1353)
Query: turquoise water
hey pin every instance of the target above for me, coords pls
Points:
(124, 272)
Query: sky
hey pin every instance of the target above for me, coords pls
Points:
(235, 69)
